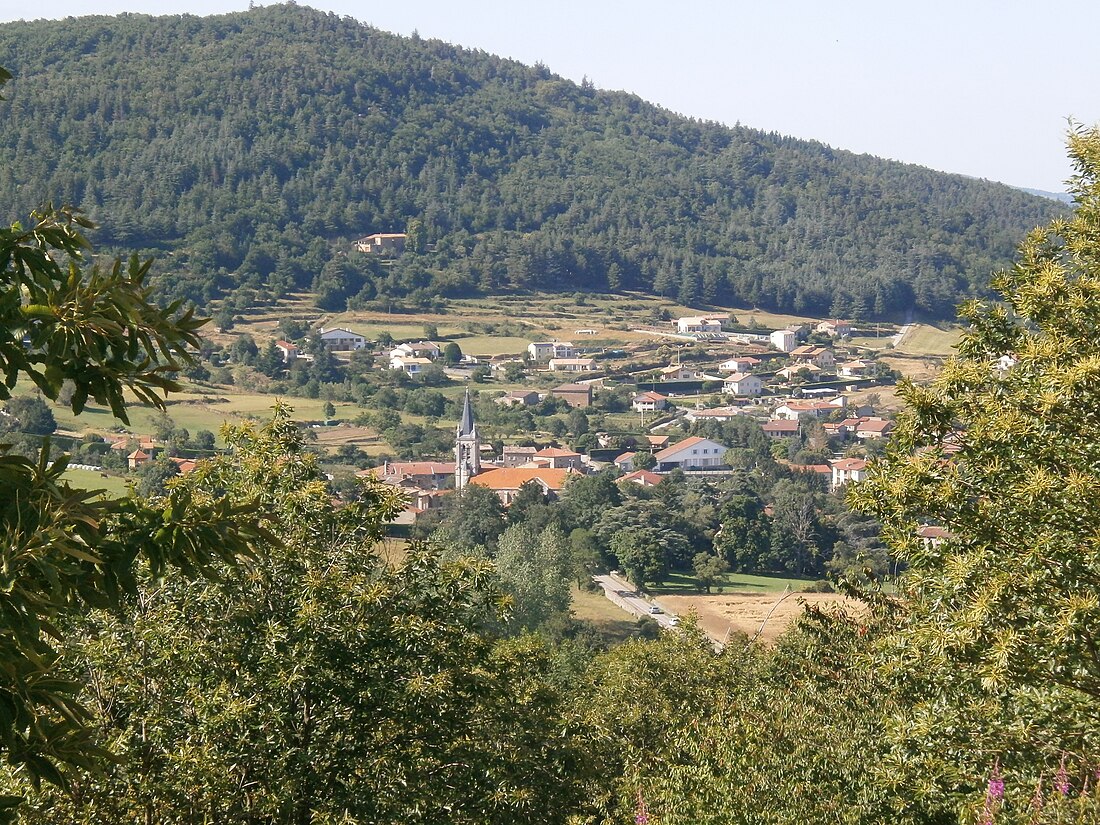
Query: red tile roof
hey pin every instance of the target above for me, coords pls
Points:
(515, 477)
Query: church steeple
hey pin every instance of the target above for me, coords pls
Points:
(467, 446)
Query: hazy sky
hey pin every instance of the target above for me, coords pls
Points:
(972, 86)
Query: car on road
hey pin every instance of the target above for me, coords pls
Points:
(655, 609)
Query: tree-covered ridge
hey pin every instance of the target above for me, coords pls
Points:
(255, 146)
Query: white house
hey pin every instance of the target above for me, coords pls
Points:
(784, 339)
(678, 372)
(692, 454)
(853, 369)
(794, 408)
(572, 364)
(741, 364)
(848, 470)
(700, 323)
(835, 329)
(743, 383)
(411, 364)
(418, 349)
(289, 351)
(545, 350)
(342, 339)
(649, 402)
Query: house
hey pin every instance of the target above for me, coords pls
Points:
(409, 363)
(519, 398)
(795, 408)
(932, 536)
(418, 349)
(743, 383)
(572, 364)
(505, 482)
(658, 442)
(835, 329)
(185, 465)
(137, 458)
(424, 500)
(781, 427)
(797, 371)
(847, 471)
(288, 351)
(692, 454)
(517, 456)
(342, 340)
(873, 427)
(382, 243)
(649, 402)
(821, 357)
(784, 340)
(499, 363)
(646, 478)
(545, 350)
(715, 414)
(625, 462)
(743, 363)
(424, 475)
(575, 395)
(678, 372)
(700, 323)
(853, 369)
(558, 459)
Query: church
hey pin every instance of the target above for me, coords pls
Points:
(467, 446)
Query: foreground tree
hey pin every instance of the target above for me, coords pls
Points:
(63, 550)
(322, 685)
(96, 332)
(1003, 611)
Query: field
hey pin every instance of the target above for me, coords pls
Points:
(680, 583)
(925, 339)
(505, 324)
(93, 480)
(727, 615)
(611, 622)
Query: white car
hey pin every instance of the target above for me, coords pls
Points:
(655, 609)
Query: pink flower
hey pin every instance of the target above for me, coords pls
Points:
(641, 815)
(1061, 777)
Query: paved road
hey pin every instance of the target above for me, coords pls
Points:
(620, 592)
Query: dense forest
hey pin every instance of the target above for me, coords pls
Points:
(247, 151)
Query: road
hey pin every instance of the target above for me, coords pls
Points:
(621, 593)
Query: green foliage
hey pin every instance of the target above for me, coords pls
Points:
(534, 567)
(1000, 617)
(29, 415)
(95, 332)
(320, 684)
(504, 176)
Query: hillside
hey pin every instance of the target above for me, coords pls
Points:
(247, 151)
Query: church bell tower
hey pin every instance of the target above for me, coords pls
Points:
(467, 446)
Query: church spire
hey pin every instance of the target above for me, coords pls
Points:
(466, 423)
(467, 445)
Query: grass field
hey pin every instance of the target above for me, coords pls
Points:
(925, 339)
(93, 480)
(678, 583)
(611, 622)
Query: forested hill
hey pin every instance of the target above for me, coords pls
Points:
(250, 149)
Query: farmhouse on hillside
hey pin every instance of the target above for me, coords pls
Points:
(382, 243)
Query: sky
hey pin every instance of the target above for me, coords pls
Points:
(979, 87)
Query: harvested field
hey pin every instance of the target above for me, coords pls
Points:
(742, 613)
